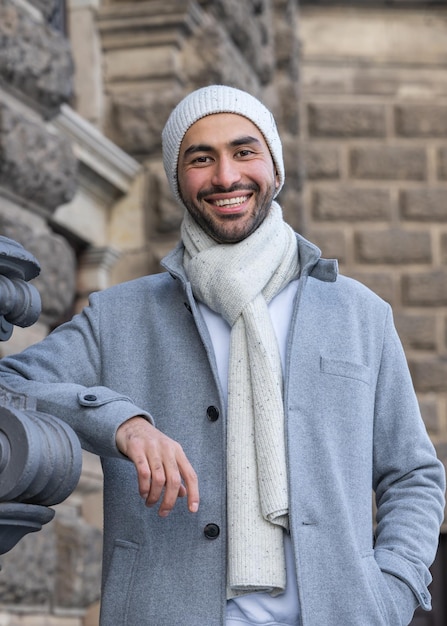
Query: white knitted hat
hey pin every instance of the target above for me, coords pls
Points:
(210, 100)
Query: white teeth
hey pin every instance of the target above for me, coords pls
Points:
(230, 201)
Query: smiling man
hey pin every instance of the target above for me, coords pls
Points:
(245, 411)
(226, 184)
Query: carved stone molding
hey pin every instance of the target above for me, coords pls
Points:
(34, 58)
(37, 165)
(94, 269)
(95, 151)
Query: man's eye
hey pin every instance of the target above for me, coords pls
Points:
(201, 159)
(245, 152)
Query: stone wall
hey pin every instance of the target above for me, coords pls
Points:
(37, 168)
(374, 148)
(50, 163)
(51, 576)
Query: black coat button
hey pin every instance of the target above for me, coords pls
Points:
(211, 531)
(212, 413)
(89, 397)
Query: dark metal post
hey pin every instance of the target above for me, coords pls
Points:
(40, 456)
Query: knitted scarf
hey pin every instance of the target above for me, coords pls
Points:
(238, 281)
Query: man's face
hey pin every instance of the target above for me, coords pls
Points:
(227, 177)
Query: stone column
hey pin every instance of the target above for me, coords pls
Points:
(38, 169)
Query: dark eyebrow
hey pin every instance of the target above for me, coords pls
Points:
(198, 147)
(241, 141)
(203, 147)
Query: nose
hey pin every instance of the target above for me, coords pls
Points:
(226, 172)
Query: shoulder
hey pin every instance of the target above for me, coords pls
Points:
(349, 287)
(352, 286)
(141, 287)
(346, 299)
(151, 295)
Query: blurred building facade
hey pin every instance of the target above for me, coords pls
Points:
(359, 90)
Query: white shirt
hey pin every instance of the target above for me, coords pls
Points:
(259, 608)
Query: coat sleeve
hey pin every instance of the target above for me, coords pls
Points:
(408, 480)
(64, 374)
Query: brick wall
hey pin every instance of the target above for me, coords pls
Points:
(374, 146)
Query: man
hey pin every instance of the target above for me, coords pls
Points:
(252, 371)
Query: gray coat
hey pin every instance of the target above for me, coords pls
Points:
(352, 423)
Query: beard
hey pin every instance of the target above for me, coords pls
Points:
(231, 227)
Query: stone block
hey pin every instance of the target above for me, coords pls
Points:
(332, 243)
(22, 338)
(429, 374)
(424, 120)
(137, 64)
(57, 280)
(325, 77)
(137, 119)
(442, 163)
(346, 120)
(351, 203)
(57, 567)
(425, 288)
(27, 576)
(40, 619)
(168, 212)
(36, 164)
(251, 29)
(286, 110)
(393, 246)
(78, 568)
(443, 242)
(368, 33)
(211, 57)
(384, 162)
(322, 162)
(381, 283)
(293, 161)
(441, 451)
(133, 264)
(87, 58)
(430, 413)
(48, 8)
(291, 202)
(34, 58)
(417, 331)
(287, 44)
(426, 204)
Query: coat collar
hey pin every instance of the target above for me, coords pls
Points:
(311, 263)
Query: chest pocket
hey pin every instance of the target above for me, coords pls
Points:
(345, 369)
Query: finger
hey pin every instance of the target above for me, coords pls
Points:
(144, 475)
(177, 469)
(158, 481)
(191, 483)
(173, 488)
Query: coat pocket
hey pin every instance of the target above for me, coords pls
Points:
(346, 369)
(118, 583)
(381, 592)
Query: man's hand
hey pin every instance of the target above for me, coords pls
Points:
(162, 467)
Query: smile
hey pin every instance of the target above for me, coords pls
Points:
(230, 201)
